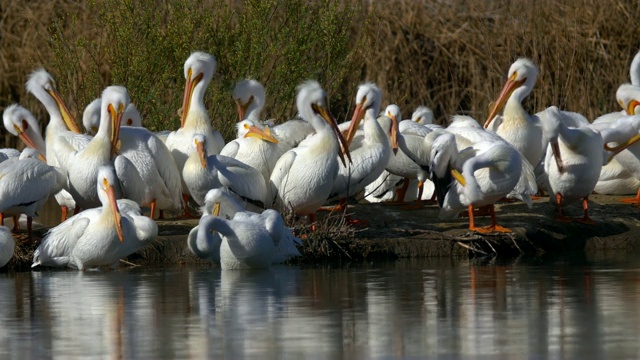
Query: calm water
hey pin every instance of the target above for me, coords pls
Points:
(556, 308)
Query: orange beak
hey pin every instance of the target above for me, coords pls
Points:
(555, 148)
(344, 147)
(201, 153)
(617, 149)
(358, 115)
(242, 108)
(111, 193)
(506, 92)
(265, 134)
(64, 111)
(188, 92)
(116, 120)
(27, 140)
(631, 109)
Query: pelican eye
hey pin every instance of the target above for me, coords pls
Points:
(129, 122)
(25, 124)
(105, 182)
(246, 126)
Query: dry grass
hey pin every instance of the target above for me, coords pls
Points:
(449, 55)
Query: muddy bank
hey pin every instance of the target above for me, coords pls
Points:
(393, 232)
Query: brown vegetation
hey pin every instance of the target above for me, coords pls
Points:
(449, 55)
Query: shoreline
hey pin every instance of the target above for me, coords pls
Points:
(393, 232)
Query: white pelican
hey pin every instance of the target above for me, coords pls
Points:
(205, 243)
(26, 184)
(422, 115)
(490, 171)
(82, 165)
(250, 96)
(198, 71)
(97, 237)
(634, 70)
(624, 131)
(370, 153)
(21, 123)
(303, 176)
(202, 173)
(144, 165)
(516, 126)
(7, 245)
(248, 241)
(573, 161)
(61, 126)
(409, 137)
(255, 147)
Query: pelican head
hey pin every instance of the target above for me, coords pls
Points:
(521, 77)
(248, 128)
(443, 153)
(21, 123)
(106, 192)
(628, 97)
(200, 145)
(198, 71)
(368, 99)
(249, 96)
(422, 115)
(312, 105)
(114, 100)
(229, 206)
(91, 117)
(131, 116)
(42, 86)
(392, 111)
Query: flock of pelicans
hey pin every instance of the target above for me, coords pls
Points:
(118, 167)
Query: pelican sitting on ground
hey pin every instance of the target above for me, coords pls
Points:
(303, 177)
(26, 184)
(370, 153)
(82, 165)
(203, 172)
(516, 126)
(490, 171)
(7, 245)
(572, 163)
(61, 127)
(97, 237)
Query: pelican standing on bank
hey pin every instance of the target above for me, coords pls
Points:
(516, 126)
(303, 176)
(82, 165)
(477, 176)
(61, 127)
(572, 162)
(198, 72)
(370, 153)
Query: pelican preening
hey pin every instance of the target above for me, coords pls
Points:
(240, 239)
(573, 161)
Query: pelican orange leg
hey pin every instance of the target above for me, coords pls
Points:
(585, 206)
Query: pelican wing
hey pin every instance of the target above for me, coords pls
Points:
(280, 172)
(167, 171)
(66, 146)
(58, 243)
(131, 184)
(28, 181)
(240, 178)
(526, 185)
(231, 149)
